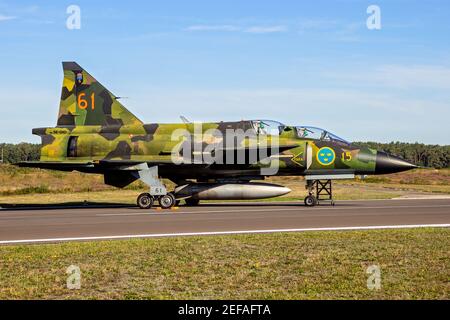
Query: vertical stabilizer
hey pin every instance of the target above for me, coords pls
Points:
(86, 102)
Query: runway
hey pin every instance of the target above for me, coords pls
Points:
(55, 225)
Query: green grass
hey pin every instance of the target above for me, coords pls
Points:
(26, 190)
(415, 264)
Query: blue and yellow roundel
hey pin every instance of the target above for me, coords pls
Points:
(326, 156)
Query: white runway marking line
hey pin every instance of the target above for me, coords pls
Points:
(338, 201)
(162, 235)
(171, 213)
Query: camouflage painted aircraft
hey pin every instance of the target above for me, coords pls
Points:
(95, 133)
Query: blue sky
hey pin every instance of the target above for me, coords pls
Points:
(299, 62)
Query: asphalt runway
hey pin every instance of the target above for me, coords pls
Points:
(55, 224)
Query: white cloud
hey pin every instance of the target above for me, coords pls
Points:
(317, 24)
(6, 18)
(213, 28)
(397, 76)
(425, 76)
(270, 29)
(335, 30)
(32, 9)
(348, 32)
(234, 28)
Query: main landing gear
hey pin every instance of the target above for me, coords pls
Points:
(318, 190)
(146, 201)
(157, 192)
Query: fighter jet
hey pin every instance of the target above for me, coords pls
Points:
(96, 134)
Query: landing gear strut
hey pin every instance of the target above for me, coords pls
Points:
(318, 190)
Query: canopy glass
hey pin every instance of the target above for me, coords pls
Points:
(318, 134)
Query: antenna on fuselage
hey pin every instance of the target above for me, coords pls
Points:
(184, 119)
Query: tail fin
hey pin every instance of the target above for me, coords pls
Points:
(85, 102)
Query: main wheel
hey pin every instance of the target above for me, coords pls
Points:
(192, 202)
(145, 201)
(167, 201)
(310, 201)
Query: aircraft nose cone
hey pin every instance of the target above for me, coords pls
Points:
(387, 163)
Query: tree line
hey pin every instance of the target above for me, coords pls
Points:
(434, 156)
(425, 155)
(13, 153)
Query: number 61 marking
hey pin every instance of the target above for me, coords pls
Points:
(83, 103)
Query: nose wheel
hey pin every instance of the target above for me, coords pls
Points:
(310, 201)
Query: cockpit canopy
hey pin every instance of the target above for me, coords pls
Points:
(318, 134)
(270, 127)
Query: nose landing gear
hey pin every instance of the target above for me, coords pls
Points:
(318, 190)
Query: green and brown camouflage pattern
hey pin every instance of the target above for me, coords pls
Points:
(109, 138)
(106, 110)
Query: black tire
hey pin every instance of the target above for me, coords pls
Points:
(310, 201)
(192, 202)
(167, 201)
(145, 201)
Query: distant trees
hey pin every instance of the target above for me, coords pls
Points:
(434, 156)
(13, 153)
